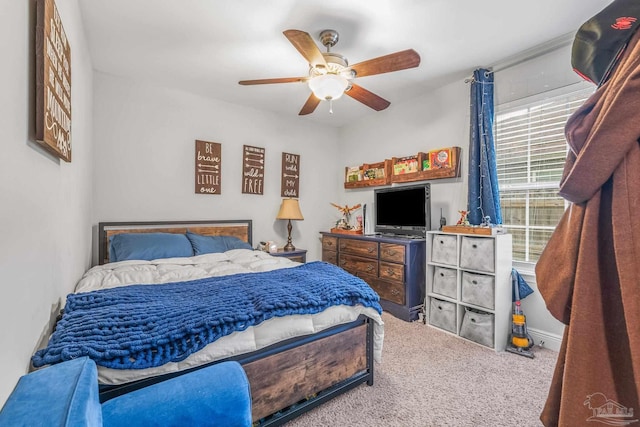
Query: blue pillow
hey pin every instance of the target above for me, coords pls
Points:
(148, 246)
(235, 243)
(215, 244)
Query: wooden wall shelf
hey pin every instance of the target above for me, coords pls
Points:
(449, 169)
(434, 172)
(384, 167)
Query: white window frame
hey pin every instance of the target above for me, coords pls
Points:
(528, 267)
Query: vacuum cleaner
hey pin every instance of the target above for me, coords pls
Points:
(520, 342)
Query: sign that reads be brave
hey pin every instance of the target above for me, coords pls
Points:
(208, 167)
(53, 81)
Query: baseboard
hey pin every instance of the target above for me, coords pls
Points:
(545, 339)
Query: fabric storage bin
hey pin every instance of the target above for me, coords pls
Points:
(444, 249)
(443, 314)
(478, 289)
(444, 281)
(477, 253)
(477, 326)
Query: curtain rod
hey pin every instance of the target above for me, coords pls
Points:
(531, 53)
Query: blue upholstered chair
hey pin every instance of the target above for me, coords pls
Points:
(66, 394)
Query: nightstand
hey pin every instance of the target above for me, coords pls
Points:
(298, 255)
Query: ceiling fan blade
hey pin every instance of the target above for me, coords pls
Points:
(385, 64)
(369, 99)
(306, 46)
(309, 106)
(269, 81)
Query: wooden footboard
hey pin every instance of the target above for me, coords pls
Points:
(300, 374)
(292, 377)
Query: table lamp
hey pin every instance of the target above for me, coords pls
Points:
(289, 209)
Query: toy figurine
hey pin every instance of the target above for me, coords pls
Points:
(345, 222)
(486, 221)
(463, 218)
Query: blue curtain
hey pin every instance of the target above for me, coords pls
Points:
(484, 196)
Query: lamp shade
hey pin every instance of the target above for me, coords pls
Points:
(328, 86)
(290, 209)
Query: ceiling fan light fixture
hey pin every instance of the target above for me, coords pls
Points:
(328, 86)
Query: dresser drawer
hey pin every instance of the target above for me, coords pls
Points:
(329, 243)
(358, 265)
(387, 290)
(330, 256)
(359, 247)
(391, 271)
(391, 252)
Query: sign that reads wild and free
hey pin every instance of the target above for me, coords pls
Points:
(252, 169)
(290, 183)
(53, 81)
(208, 167)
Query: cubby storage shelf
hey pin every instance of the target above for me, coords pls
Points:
(469, 276)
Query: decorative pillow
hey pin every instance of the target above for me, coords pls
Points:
(148, 246)
(235, 243)
(215, 244)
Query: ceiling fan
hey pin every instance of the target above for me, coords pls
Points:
(330, 74)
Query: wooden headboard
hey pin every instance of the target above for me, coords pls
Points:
(237, 228)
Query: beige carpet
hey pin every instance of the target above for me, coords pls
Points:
(430, 378)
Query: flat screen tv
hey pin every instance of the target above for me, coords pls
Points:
(403, 210)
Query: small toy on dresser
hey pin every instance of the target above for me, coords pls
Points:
(343, 225)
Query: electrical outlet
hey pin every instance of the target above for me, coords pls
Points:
(541, 343)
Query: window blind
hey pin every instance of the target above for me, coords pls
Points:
(531, 150)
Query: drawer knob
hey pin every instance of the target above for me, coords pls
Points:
(369, 267)
(475, 282)
(343, 246)
(390, 272)
(370, 250)
(474, 246)
(391, 252)
(329, 243)
(441, 274)
(395, 292)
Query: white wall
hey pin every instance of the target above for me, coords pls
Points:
(45, 213)
(440, 120)
(144, 161)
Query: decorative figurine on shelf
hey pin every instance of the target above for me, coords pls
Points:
(344, 223)
(463, 218)
(443, 220)
(486, 221)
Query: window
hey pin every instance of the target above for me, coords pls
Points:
(530, 153)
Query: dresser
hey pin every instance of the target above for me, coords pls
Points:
(393, 266)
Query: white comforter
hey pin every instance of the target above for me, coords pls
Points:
(231, 262)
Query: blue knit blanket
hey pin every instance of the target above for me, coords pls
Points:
(143, 326)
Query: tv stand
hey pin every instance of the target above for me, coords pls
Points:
(394, 266)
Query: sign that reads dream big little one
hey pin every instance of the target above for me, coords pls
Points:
(208, 167)
(290, 183)
(53, 81)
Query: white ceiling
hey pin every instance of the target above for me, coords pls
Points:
(207, 46)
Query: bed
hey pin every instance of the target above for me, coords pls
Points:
(306, 352)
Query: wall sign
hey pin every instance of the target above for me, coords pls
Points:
(252, 170)
(53, 81)
(290, 184)
(208, 167)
